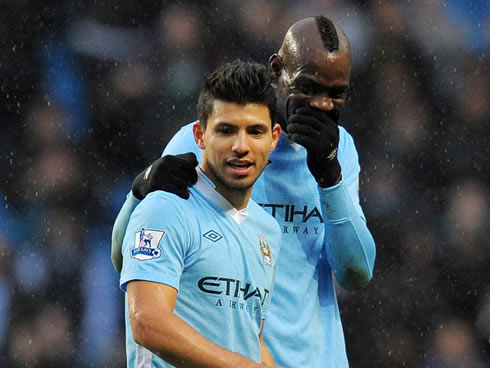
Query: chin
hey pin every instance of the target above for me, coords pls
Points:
(240, 184)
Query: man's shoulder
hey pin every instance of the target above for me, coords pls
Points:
(347, 147)
(163, 210)
(160, 200)
(257, 209)
(159, 196)
(263, 218)
(346, 141)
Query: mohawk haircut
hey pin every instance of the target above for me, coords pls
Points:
(328, 33)
(237, 82)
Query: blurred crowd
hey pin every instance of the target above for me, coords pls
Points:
(91, 91)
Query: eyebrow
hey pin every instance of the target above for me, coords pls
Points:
(256, 125)
(317, 87)
(311, 84)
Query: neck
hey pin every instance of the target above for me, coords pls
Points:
(236, 196)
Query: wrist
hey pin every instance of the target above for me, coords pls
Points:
(138, 187)
(334, 206)
(329, 175)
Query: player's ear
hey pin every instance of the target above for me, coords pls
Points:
(276, 133)
(275, 65)
(198, 130)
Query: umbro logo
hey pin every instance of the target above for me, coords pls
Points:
(213, 236)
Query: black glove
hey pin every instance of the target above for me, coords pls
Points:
(170, 173)
(317, 131)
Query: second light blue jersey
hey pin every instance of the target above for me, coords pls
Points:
(322, 231)
(221, 261)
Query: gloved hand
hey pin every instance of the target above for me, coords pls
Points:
(169, 173)
(318, 132)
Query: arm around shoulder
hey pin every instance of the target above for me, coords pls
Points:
(182, 142)
(119, 229)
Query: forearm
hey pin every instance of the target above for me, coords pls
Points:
(265, 355)
(176, 342)
(349, 244)
(119, 229)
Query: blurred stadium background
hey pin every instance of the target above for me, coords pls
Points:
(91, 91)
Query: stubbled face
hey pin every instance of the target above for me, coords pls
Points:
(313, 76)
(236, 145)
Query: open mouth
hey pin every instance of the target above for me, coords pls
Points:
(240, 166)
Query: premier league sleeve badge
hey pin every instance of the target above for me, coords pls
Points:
(146, 244)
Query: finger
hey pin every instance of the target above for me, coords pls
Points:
(293, 103)
(172, 180)
(303, 129)
(187, 164)
(181, 190)
(306, 120)
(178, 190)
(329, 131)
(317, 140)
(190, 158)
(321, 115)
(187, 174)
(176, 166)
(193, 177)
(182, 193)
(305, 141)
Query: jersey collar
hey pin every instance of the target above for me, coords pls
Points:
(208, 189)
(294, 145)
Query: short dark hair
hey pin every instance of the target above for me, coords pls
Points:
(328, 33)
(237, 82)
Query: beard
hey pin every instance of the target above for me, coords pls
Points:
(231, 183)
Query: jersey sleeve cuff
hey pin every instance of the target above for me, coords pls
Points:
(143, 276)
(333, 201)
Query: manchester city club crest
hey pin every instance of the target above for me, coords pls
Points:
(265, 249)
(146, 244)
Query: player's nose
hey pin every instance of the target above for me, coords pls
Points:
(240, 143)
(322, 102)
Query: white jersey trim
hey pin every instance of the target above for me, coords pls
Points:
(208, 189)
(143, 357)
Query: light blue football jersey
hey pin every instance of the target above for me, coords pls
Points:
(304, 327)
(222, 262)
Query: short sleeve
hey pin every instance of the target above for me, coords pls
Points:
(156, 241)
